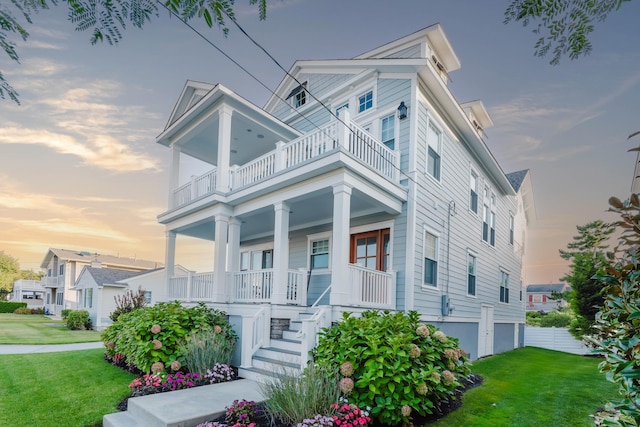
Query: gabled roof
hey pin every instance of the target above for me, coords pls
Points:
(522, 184)
(105, 260)
(110, 276)
(556, 287)
(516, 178)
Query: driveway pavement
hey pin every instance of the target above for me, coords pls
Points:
(42, 348)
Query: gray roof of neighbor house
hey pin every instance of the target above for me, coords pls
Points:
(105, 260)
(516, 178)
(557, 287)
(110, 276)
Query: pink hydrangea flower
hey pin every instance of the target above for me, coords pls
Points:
(157, 367)
(414, 351)
(157, 345)
(440, 336)
(449, 354)
(448, 377)
(217, 329)
(422, 330)
(155, 329)
(406, 410)
(346, 369)
(422, 389)
(111, 344)
(436, 377)
(346, 385)
(176, 365)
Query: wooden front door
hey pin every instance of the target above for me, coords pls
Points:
(371, 249)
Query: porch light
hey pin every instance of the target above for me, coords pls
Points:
(402, 111)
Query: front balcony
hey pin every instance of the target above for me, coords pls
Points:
(332, 138)
(369, 288)
(52, 282)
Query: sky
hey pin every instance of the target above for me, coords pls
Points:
(80, 169)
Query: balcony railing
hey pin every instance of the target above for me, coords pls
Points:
(52, 282)
(357, 141)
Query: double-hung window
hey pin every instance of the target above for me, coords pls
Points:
(504, 287)
(489, 217)
(147, 297)
(301, 98)
(388, 131)
(319, 254)
(365, 101)
(473, 192)
(471, 274)
(88, 297)
(511, 228)
(434, 144)
(430, 259)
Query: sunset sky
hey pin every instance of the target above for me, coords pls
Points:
(80, 169)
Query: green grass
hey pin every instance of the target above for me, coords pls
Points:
(39, 329)
(533, 387)
(74, 389)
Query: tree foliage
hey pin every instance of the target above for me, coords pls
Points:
(9, 271)
(563, 26)
(106, 20)
(587, 256)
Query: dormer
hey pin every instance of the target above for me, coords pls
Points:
(477, 115)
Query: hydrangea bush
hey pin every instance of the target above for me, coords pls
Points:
(150, 338)
(392, 363)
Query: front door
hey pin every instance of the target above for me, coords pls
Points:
(485, 331)
(371, 249)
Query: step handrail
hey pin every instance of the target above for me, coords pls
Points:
(308, 333)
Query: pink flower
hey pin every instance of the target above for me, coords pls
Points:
(440, 336)
(176, 365)
(448, 377)
(346, 385)
(157, 367)
(422, 330)
(111, 344)
(406, 410)
(346, 369)
(157, 345)
(414, 351)
(449, 354)
(436, 377)
(422, 389)
(155, 329)
(217, 329)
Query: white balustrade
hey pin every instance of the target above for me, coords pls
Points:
(258, 327)
(373, 288)
(297, 287)
(252, 286)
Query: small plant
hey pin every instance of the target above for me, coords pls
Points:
(64, 313)
(180, 381)
(317, 421)
(556, 319)
(219, 373)
(78, 320)
(292, 397)
(349, 415)
(241, 412)
(22, 310)
(206, 348)
(128, 302)
(148, 384)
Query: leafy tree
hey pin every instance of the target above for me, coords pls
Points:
(9, 272)
(564, 26)
(587, 256)
(106, 19)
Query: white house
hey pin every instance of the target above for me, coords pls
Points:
(539, 297)
(361, 184)
(29, 291)
(97, 287)
(63, 267)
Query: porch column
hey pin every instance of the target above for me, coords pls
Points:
(224, 149)
(280, 253)
(233, 254)
(169, 259)
(174, 173)
(343, 128)
(220, 259)
(340, 286)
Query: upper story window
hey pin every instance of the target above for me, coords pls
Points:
(511, 228)
(434, 143)
(430, 259)
(504, 286)
(319, 254)
(301, 98)
(298, 95)
(61, 270)
(388, 131)
(473, 192)
(489, 217)
(365, 101)
(471, 274)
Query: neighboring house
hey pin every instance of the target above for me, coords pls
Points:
(97, 288)
(62, 268)
(539, 297)
(362, 184)
(29, 291)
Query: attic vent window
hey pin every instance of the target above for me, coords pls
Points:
(299, 95)
(438, 64)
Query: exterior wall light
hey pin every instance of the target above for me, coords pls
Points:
(402, 111)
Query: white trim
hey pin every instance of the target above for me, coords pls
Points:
(326, 235)
(474, 254)
(436, 234)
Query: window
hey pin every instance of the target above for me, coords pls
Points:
(537, 298)
(256, 260)
(59, 298)
(319, 254)
(473, 192)
(434, 137)
(504, 287)
(49, 273)
(388, 132)
(371, 249)
(61, 270)
(88, 298)
(471, 274)
(365, 101)
(430, 259)
(301, 98)
(147, 297)
(511, 227)
(244, 261)
(489, 217)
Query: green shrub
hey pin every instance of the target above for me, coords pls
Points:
(10, 306)
(556, 319)
(204, 348)
(37, 311)
(64, 313)
(128, 302)
(392, 363)
(78, 320)
(533, 318)
(22, 310)
(149, 338)
(292, 397)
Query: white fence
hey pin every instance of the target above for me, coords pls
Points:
(558, 339)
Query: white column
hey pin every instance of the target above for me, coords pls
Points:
(169, 258)
(343, 128)
(340, 286)
(280, 253)
(224, 148)
(233, 248)
(220, 258)
(174, 172)
(98, 308)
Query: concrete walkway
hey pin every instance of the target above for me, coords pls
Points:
(47, 348)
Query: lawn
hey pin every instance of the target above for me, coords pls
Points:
(39, 329)
(74, 388)
(533, 387)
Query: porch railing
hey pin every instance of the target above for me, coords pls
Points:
(375, 289)
(297, 287)
(192, 287)
(258, 327)
(252, 286)
(360, 144)
(309, 331)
